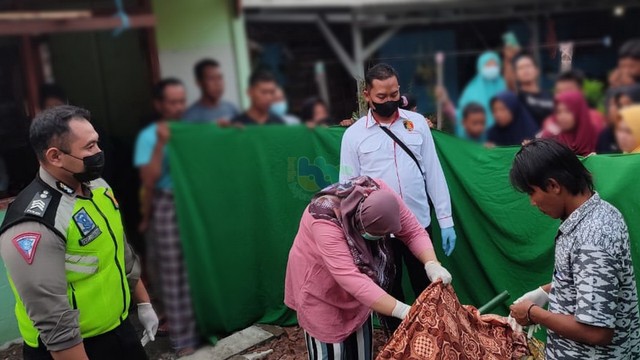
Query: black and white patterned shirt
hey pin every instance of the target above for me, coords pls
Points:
(594, 281)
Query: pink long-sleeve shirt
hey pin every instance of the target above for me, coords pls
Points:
(331, 296)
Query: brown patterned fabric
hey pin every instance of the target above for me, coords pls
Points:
(438, 327)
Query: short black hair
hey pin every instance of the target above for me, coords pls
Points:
(202, 65)
(308, 107)
(632, 91)
(51, 127)
(472, 108)
(630, 49)
(160, 86)
(48, 91)
(380, 71)
(525, 55)
(544, 159)
(261, 76)
(574, 75)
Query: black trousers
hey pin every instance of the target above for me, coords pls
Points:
(415, 270)
(121, 343)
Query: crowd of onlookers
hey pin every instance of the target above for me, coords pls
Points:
(268, 102)
(268, 106)
(505, 105)
(502, 105)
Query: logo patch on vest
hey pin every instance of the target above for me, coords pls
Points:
(26, 243)
(88, 228)
(109, 194)
(39, 203)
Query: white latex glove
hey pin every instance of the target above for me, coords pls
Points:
(514, 324)
(149, 321)
(401, 310)
(435, 271)
(537, 296)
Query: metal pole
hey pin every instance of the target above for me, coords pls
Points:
(493, 303)
(440, 79)
(358, 62)
(335, 45)
(321, 81)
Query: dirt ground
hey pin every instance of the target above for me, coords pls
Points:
(291, 345)
(288, 346)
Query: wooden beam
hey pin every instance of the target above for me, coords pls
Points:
(38, 27)
(44, 15)
(28, 57)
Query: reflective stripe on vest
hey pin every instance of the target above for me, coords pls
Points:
(95, 268)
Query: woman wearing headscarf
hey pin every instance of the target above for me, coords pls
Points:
(340, 266)
(628, 130)
(571, 124)
(487, 83)
(513, 123)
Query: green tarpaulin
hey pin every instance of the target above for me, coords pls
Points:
(240, 195)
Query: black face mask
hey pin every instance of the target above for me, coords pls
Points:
(93, 166)
(386, 109)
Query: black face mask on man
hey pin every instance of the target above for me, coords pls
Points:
(93, 166)
(386, 109)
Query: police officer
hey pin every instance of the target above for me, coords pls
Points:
(62, 241)
(396, 145)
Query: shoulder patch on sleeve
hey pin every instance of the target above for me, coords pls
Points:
(26, 243)
(39, 203)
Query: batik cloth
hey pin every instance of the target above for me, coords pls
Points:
(439, 327)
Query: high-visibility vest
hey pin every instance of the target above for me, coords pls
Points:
(94, 261)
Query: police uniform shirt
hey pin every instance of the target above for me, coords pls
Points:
(34, 256)
(368, 150)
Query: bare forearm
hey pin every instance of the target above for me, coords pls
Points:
(73, 353)
(147, 201)
(567, 326)
(384, 305)
(510, 76)
(140, 293)
(427, 255)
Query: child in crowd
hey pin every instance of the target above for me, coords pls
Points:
(474, 122)
(628, 95)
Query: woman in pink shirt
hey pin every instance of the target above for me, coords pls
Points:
(340, 267)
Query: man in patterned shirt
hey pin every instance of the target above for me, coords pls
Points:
(593, 301)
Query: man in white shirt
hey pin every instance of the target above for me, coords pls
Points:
(368, 150)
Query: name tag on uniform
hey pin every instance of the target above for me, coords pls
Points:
(88, 228)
